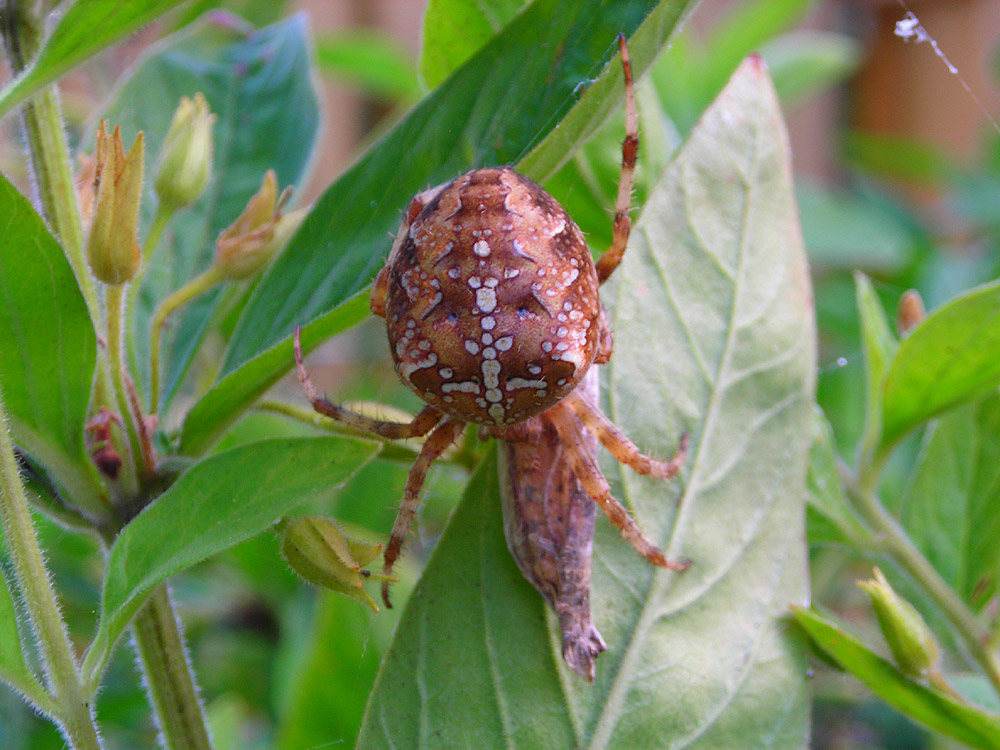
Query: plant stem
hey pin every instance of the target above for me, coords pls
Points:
(74, 712)
(167, 671)
(114, 297)
(198, 285)
(897, 544)
(160, 219)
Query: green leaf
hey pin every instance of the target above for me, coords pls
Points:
(258, 85)
(830, 516)
(897, 158)
(84, 29)
(879, 345)
(951, 508)
(847, 231)
(48, 349)
(455, 29)
(544, 84)
(948, 359)
(13, 668)
(930, 707)
(713, 336)
(217, 503)
(373, 61)
(803, 63)
(339, 248)
(232, 394)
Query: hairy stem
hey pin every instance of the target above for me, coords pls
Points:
(895, 542)
(114, 297)
(72, 710)
(167, 672)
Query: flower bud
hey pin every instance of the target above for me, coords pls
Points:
(317, 550)
(186, 157)
(911, 311)
(910, 640)
(112, 249)
(259, 233)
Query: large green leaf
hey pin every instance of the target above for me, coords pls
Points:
(258, 85)
(933, 708)
(950, 358)
(47, 348)
(951, 508)
(86, 28)
(714, 336)
(217, 503)
(455, 29)
(538, 89)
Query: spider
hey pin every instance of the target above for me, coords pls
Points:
(490, 296)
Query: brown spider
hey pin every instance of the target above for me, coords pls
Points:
(491, 304)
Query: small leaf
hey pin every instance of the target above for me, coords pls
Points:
(879, 345)
(930, 707)
(950, 358)
(455, 29)
(831, 517)
(48, 349)
(951, 507)
(83, 30)
(713, 336)
(217, 503)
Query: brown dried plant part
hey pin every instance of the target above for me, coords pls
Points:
(490, 296)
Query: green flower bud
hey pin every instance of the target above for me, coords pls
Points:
(259, 233)
(321, 553)
(112, 248)
(910, 640)
(186, 157)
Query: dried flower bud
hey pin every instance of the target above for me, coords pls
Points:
(112, 249)
(320, 552)
(259, 233)
(911, 311)
(186, 157)
(910, 640)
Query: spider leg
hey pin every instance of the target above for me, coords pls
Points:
(617, 443)
(630, 147)
(442, 437)
(586, 470)
(420, 425)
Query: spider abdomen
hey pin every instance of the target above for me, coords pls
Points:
(491, 299)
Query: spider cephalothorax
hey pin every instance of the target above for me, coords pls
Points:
(493, 317)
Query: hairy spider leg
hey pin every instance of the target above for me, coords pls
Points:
(630, 147)
(421, 424)
(618, 444)
(586, 470)
(442, 437)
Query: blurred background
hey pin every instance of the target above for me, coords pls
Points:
(898, 173)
